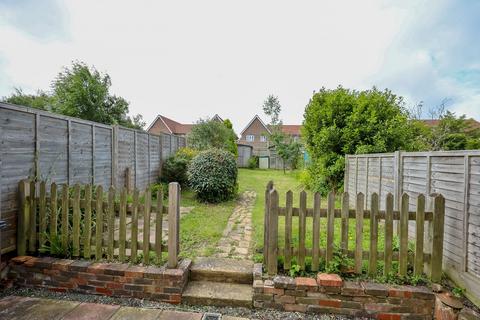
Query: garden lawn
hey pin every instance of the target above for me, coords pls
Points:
(257, 180)
(202, 228)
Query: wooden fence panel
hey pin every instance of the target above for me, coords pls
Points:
(39, 145)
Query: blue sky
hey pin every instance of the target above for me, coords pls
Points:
(192, 59)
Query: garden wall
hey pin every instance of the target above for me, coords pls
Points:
(329, 294)
(110, 279)
(455, 175)
(56, 148)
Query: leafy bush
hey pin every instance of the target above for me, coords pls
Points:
(175, 168)
(212, 175)
(253, 162)
(342, 121)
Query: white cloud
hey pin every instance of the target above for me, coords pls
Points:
(193, 59)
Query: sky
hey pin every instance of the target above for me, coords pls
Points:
(192, 59)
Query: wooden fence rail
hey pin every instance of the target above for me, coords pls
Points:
(83, 222)
(272, 249)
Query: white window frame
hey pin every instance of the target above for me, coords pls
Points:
(263, 138)
(250, 137)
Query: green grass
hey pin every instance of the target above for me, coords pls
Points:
(257, 180)
(202, 228)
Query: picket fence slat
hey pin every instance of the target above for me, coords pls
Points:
(403, 264)
(111, 222)
(134, 234)
(158, 227)
(53, 211)
(372, 266)
(372, 255)
(272, 232)
(345, 218)
(316, 231)
(419, 235)
(65, 223)
(388, 235)
(302, 224)
(87, 234)
(88, 224)
(32, 240)
(288, 230)
(42, 213)
(76, 221)
(359, 234)
(330, 227)
(99, 223)
(146, 226)
(123, 225)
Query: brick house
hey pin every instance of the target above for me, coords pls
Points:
(162, 124)
(256, 135)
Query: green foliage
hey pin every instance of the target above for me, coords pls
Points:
(55, 248)
(458, 292)
(212, 175)
(271, 107)
(454, 133)
(295, 270)
(41, 100)
(83, 92)
(210, 133)
(342, 121)
(174, 169)
(253, 162)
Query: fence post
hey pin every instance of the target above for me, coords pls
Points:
(173, 223)
(272, 232)
(437, 244)
(128, 180)
(359, 233)
(419, 234)
(32, 236)
(22, 218)
(265, 221)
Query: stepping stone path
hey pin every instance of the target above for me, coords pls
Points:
(236, 241)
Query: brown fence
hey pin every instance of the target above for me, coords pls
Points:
(272, 249)
(81, 222)
(40, 145)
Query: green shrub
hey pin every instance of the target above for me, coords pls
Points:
(212, 175)
(174, 169)
(253, 162)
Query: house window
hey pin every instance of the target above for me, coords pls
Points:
(263, 138)
(250, 137)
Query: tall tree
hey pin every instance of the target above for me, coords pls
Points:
(83, 92)
(287, 149)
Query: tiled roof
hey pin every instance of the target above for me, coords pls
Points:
(292, 129)
(180, 128)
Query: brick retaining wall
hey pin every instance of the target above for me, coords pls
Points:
(111, 279)
(330, 294)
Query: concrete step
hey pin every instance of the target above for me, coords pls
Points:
(218, 294)
(222, 270)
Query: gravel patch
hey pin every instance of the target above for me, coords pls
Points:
(263, 314)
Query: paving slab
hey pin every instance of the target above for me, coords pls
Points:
(222, 270)
(178, 315)
(36, 309)
(129, 313)
(91, 311)
(218, 294)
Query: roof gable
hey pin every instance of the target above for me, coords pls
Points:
(252, 121)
